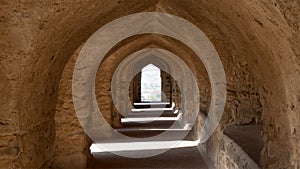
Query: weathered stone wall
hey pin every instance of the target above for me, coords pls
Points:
(103, 94)
(71, 142)
(166, 85)
(9, 148)
(136, 88)
(232, 156)
(258, 42)
(290, 11)
(37, 39)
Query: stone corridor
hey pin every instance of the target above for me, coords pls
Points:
(184, 155)
(224, 94)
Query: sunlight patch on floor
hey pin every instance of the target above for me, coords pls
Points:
(135, 146)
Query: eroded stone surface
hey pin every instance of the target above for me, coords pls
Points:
(258, 42)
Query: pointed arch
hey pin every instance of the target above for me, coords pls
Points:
(151, 83)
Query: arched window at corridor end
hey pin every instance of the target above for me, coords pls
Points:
(151, 84)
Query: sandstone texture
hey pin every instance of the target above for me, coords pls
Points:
(258, 42)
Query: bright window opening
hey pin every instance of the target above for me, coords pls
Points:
(150, 84)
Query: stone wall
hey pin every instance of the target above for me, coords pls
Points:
(71, 142)
(232, 156)
(258, 42)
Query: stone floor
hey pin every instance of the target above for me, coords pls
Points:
(184, 156)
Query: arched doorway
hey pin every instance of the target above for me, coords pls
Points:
(151, 84)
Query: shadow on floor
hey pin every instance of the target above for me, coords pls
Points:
(183, 158)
